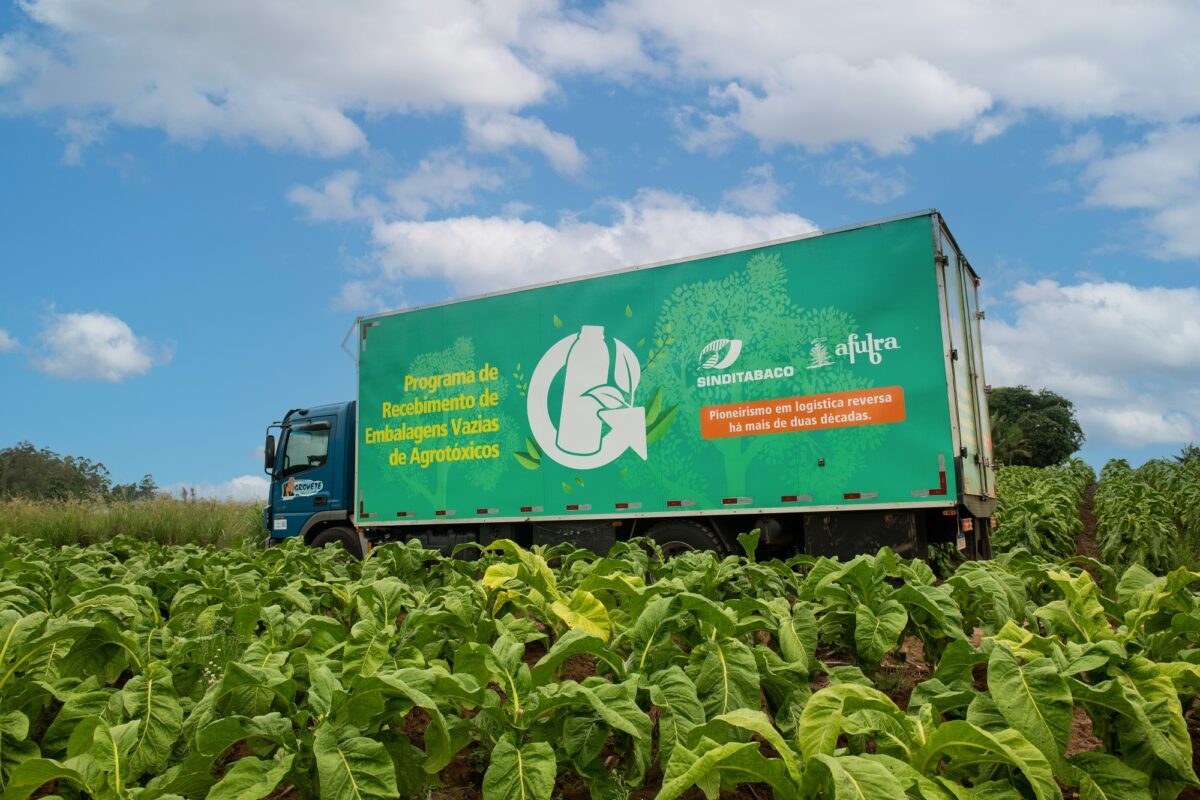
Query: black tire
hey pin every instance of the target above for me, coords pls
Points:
(677, 536)
(346, 537)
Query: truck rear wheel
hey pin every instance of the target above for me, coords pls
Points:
(680, 535)
(346, 537)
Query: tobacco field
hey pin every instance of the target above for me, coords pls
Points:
(133, 669)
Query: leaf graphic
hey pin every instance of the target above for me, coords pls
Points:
(658, 428)
(627, 370)
(532, 447)
(557, 322)
(527, 460)
(628, 311)
(607, 396)
(652, 410)
(579, 480)
(567, 487)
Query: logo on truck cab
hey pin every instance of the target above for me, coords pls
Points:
(599, 387)
(301, 488)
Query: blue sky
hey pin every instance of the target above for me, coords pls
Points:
(198, 201)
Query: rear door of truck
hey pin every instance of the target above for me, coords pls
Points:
(968, 401)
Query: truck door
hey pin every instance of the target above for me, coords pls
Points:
(306, 474)
(967, 385)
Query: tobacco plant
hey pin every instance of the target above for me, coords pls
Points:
(133, 670)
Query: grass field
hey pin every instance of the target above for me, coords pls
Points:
(163, 520)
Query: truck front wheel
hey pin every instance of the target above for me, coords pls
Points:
(346, 537)
(680, 535)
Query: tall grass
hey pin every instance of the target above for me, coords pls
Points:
(164, 520)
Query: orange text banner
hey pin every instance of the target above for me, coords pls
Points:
(811, 412)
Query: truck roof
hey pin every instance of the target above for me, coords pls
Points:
(693, 257)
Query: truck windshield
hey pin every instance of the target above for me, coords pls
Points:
(305, 449)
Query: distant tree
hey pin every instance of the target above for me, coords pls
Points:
(1009, 445)
(1189, 453)
(26, 471)
(1033, 428)
(144, 489)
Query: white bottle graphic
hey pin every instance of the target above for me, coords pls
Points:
(579, 425)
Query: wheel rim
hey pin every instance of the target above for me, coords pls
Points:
(675, 547)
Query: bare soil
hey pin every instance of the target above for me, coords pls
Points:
(899, 675)
(1081, 740)
(1085, 542)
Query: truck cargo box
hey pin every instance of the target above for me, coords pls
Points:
(828, 372)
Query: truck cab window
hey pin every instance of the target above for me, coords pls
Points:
(305, 450)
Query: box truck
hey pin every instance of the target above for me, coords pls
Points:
(827, 390)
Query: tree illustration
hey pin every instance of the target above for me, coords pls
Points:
(752, 305)
(440, 480)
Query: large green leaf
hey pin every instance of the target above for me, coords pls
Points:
(703, 767)
(824, 717)
(583, 611)
(758, 723)
(1105, 777)
(674, 693)
(1035, 700)
(963, 747)
(520, 773)
(352, 767)
(798, 636)
(31, 775)
(877, 633)
(727, 678)
(850, 778)
(573, 643)
(1080, 613)
(251, 778)
(150, 699)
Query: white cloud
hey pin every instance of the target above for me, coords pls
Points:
(760, 194)
(877, 73)
(368, 296)
(1132, 425)
(1162, 170)
(816, 100)
(861, 183)
(262, 71)
(500, 131)
(883, 73)
(1128, 356)
(1160, 177)
(244, 488)
(79, 135)
(1083, 148)
(476, 254)
(334, 201)
(8, 343)
(441, 181)
(95, 346)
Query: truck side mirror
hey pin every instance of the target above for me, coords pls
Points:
(269, 454)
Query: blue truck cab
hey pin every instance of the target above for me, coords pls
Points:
(311, 465)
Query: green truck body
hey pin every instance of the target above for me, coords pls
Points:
(830, 372)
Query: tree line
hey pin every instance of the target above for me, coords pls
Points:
(27, 472)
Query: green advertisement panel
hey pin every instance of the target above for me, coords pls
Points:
(793, 376)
